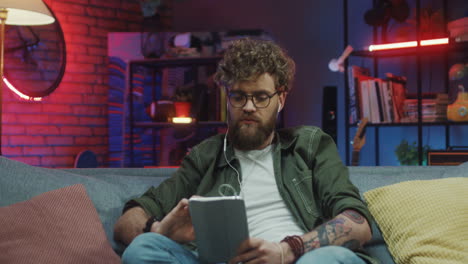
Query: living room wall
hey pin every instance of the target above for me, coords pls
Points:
(73, 118)
(311, 32)
(304, 28)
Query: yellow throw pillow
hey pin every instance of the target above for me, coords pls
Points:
(423, 221)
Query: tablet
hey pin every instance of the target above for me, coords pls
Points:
(220, 225)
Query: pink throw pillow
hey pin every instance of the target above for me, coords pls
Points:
(60, 226)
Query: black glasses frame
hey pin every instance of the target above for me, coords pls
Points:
(252, 98)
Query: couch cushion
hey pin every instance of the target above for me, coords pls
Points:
(423, 221)
(108, 190)
(368, 178)
(371, 177)
(60, 226)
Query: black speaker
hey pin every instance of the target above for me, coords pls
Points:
(329, 111)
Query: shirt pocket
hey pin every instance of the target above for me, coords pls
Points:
(300, 186)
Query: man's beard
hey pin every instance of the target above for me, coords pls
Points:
(250, 137)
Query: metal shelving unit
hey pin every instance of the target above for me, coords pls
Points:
(417, 52)
(156, 66)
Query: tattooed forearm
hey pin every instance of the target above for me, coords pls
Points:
(348, 229)
(328, 234)
(312, 243)
(354, 216)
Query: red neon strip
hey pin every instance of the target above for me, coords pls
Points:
(388, 46)
(430, 42)
(409, 44)
(20, 94)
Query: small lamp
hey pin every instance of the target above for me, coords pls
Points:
(19, 13)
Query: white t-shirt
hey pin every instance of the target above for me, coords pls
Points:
(267, 215)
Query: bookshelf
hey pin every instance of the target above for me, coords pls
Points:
(149, 77)
(418, 53)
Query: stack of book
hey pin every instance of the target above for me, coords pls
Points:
(433, 108)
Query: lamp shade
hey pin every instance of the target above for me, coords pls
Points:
(27, 12)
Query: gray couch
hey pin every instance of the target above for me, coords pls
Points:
(109, 188)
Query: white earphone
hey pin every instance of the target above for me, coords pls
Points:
(237, 172)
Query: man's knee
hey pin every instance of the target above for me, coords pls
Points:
(331, 255)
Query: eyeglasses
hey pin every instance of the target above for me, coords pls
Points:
(259, 100)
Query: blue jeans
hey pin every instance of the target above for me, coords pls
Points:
(155, 248)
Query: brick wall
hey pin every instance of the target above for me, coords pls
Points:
(73, 118)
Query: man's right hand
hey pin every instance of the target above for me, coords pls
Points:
(177, 225)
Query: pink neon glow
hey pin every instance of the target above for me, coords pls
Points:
(409, 44)
(20, 94)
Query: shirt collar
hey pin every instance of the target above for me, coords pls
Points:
(279, 143)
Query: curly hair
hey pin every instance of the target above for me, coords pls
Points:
(247, 59)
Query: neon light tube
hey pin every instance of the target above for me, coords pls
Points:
(181, 120)
(430, 42)
(20, 94)
(397, 45)
(409, 44)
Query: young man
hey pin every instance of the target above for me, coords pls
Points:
(301, 206)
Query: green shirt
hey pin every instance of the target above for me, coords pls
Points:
(311, 178)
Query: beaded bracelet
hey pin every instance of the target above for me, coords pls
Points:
(296, 244)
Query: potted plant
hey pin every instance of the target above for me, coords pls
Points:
(407, 154)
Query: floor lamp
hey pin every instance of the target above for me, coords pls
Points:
(19, 13)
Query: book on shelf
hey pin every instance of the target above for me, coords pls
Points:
(220, 225)
(387, 102)
(383, 114)
(380, 101)
(365, 105)
(355, 75)
(398, 87)
(374, 99)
